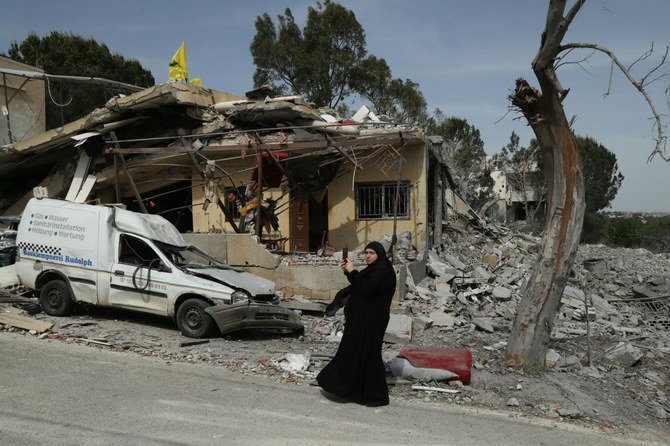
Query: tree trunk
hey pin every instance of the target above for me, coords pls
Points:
(542, 293)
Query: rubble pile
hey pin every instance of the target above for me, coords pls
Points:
(607, 364)
(611, 338)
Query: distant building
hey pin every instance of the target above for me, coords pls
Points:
(518, 195)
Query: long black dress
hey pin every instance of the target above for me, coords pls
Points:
(357, 371)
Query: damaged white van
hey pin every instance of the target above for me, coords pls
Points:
(112, 257)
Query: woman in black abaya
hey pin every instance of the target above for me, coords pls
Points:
(357, 371)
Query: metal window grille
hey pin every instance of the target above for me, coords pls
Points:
(377, 201)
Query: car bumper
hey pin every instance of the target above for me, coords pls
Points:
(254, 315)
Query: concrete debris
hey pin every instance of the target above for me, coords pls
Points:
(597, 266)
(591, 372)
(399, 330)
(294, 362)
(655, 377)
(8, 277)
(661, 413)
(421, 323)
(483, 324)
(569, 413)
(442, 319)
(570, 363)
(551, 358)
(624, 354)
(501, 293)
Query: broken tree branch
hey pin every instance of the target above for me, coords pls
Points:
(640, 85)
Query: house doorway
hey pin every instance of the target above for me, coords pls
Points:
(309, 220)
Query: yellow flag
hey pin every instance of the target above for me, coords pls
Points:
(196, 81)
(177, 69)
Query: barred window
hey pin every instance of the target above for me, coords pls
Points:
(377, 201)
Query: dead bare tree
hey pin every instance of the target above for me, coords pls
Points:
(565, 198)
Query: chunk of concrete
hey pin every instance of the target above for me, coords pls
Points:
(443, 289)
(624, 354)
(453, 261)
(483, 324)
(442, 319)
(603, 305)
(551, 358)
(8, 276)
(422, 322)
(570, 363)
(482, 273)
(573, 292)
(399, 329)
(640, 291)
(501, 293)
(597, 266)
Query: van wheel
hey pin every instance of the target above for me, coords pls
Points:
(192, 319)
(55, 298)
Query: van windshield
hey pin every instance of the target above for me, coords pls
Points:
(190, 257)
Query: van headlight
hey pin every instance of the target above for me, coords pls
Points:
(240, 296)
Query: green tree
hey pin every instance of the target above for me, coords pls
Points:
(316, 61)
(327, 62)
(524, 179)
(602, 181)
(400, 99)
(602, 178)
(71, 55)
(465, 151)
(624, 232)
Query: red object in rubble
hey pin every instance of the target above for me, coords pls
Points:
(455, 360)
(272, 175)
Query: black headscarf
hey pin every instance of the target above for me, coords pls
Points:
(382, 261)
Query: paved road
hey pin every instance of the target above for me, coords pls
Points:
(53, 393)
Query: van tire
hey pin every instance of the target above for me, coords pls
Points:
(192, 320)
(56, 299)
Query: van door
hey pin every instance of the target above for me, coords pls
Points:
(139, 277)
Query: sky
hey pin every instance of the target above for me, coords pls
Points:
(464, 54)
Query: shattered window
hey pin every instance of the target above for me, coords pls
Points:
(377, 201)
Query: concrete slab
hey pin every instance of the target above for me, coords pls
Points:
(8, 276)
(399, 330)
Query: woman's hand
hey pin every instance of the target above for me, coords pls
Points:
(346, 265)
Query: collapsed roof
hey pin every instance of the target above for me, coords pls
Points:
(158, 135)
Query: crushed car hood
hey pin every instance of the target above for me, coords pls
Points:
(255, 285)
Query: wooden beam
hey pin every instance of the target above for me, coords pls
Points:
(26, 323)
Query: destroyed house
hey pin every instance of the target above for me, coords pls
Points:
(205, 159)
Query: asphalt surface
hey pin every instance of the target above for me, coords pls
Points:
(54, 393)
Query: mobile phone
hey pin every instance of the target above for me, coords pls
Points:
(345, 253)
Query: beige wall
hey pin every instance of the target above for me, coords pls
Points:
(345, 230)
(26, 109)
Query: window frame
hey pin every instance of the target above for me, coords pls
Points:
(384, 202)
